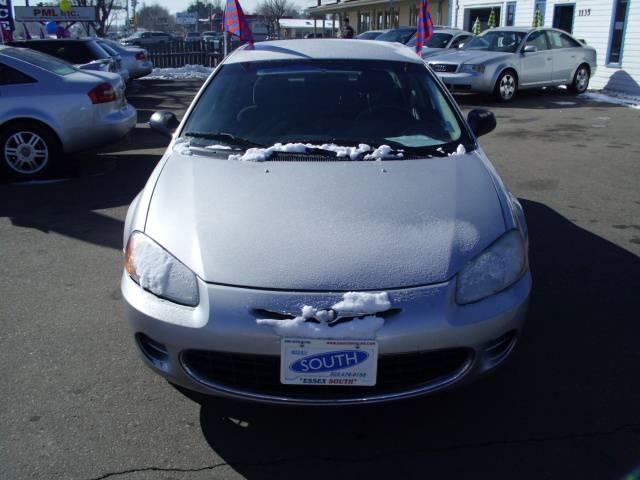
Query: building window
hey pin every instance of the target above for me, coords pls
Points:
(542, 6)
(617, 31)
(511, 14)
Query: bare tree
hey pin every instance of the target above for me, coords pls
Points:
(274, 10)
(149, 16)
(104, 10)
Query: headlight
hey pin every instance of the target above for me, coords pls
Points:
(472, 68)
(156, 270)
(495, 269)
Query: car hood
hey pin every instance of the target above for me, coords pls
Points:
(469, 56)
(324, 225)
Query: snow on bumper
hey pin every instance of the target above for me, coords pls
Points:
(427, 319)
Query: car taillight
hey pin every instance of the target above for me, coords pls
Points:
(103, 93)
(140, 56)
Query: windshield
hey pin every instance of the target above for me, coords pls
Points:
(337, 102)
(437, 40)
(369, 35)
(46, 62)
(398, 35)
(502, 41)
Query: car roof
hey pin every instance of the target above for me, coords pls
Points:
(59, 40)
(451, 31)
(324, 49)
(513, 29)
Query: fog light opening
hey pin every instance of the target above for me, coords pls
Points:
(499, 349)
(155, 352)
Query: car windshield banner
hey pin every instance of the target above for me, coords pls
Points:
(6, 19)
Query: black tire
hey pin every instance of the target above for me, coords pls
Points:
(580, 81)
(506, 86)
(28, 150)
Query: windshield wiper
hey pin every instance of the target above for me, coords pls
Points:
(224, 137)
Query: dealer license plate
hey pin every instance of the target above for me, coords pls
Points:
(309, 361)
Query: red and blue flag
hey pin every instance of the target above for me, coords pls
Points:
(235, 22)
(425, 26)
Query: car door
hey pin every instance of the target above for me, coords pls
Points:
(16, 90)
(536, 67)
(566, 56)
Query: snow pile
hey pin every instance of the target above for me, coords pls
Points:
(188, 71)
(459, 151)
(315, 323)
(613, 97)
(263, 154)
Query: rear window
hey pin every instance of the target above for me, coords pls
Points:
(46, 62)
(342, 102)
(77, 53)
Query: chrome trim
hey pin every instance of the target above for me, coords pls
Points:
(248, 395)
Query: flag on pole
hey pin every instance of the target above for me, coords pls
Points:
(235, 22)
(425, 26)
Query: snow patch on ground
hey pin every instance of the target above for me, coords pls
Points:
(613, 97)
(181, 73)
(364, 305)
(263, 154)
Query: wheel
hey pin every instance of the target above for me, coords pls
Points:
(506, 86)
(580, 81)
(28, 150)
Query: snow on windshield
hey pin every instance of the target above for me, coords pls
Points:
(362, 151)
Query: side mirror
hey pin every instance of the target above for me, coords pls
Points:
(530, 49)
(481, 121)
(164, 122)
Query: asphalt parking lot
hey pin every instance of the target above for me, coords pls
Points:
(77, 403)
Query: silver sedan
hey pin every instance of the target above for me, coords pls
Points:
(49, 108)
(134, 59)
(443, 40)
(503, 60)
(359, 249)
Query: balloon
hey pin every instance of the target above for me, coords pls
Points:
(52, 28)
(65, 6)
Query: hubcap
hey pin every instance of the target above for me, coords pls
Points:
(582, 79)
(26, 153)
(507, 86)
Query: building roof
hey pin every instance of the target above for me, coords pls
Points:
(305, 23)
(345, 5)
(324, 49)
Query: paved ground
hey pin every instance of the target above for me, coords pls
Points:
(77, 403)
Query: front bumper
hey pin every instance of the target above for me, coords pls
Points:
(225, 321)
(467, 82)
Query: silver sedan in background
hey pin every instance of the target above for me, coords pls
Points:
(503, 60)
(134, 59)
(49, 108)
(443, 40)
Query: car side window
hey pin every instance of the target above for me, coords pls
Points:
(11, 76)
(460, 39)
(555, 39)
(569, 42)
(538, 39)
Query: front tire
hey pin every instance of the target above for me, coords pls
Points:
(580, 81)
(506, 86)
(28, 151)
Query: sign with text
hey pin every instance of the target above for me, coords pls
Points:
(186, 18)
(50, 14)
(6, 17)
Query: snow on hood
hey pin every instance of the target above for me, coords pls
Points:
(325, 226)
(314, 323)
(354, 153)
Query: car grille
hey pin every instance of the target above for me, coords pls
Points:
(443, 67)
(260, 374)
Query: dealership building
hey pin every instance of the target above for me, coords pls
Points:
(612, 27)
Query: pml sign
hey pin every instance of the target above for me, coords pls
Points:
(6, 16)
(54, 14)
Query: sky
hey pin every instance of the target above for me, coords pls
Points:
(181, 5)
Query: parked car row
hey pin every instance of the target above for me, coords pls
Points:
(98, 54)
(503, 60)
(50, 108)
